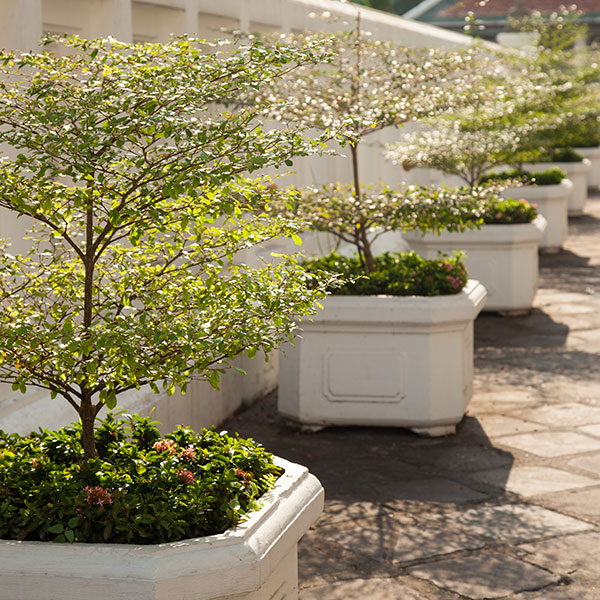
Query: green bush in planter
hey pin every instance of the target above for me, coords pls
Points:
(405, 274)
(507, 211)
(141, 488)
(552, 176)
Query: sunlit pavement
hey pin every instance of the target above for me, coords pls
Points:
(509, 507)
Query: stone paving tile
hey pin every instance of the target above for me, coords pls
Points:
(426, 540)
(575, 555)
(552, 443)
(484, 576)
(584, 591)
(436, 490)
(589, 462)
(563, 415)
(515, 522)
(583, 503)
(503, 398)
(498, 425)
(338, 510)
(364, 536)
(591, 430)
(360, 589)
(531, 481)
(461, 457)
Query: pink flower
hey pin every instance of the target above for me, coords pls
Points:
(447, 266)
(188, 453)
(165, 446)
(97, 495)
(185, 476)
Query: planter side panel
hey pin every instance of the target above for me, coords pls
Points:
(552, 204)
(414, 374)
(577, 172)
(507, 267)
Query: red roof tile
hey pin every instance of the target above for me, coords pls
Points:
(501, 7)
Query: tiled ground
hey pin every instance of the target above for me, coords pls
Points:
(507, 508)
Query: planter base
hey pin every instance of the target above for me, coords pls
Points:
(383, 361)
(440, 431)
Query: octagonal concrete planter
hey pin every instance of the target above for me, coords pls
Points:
(503, 257)
(384, 361)
(592, 153)
(577, 172)
(255, 561)
(551, 202)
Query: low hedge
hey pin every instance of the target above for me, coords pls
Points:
(404, 274)
(142, 489)
(507, 211)
(552, 176)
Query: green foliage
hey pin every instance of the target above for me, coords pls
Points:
(360, 221)
(135, 179)
(141, 489)
(583, 132)
(404, 274)
(552, 176)
(563, 155)
(508, 211)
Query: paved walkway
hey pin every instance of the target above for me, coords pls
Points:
(507, 508)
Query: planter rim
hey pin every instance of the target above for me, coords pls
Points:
(556, 190)
(488, 234)
(243, 552)
(582, 166)
(390, 310)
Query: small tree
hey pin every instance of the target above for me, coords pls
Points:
(333, 209)
(367, 86)
(135, 180)
(454, 151)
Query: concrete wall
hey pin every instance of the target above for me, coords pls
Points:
(22, 22)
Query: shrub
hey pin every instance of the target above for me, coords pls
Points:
(507, 211)
(552, 176)
(564, 155)
(141, 489)
(395, 274)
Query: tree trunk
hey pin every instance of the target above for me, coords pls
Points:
(87, 414)
(363, 244)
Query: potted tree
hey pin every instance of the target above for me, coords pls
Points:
(394, 345)
(136, 185)
(367, 86)
(503, 253)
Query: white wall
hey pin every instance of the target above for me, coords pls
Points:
(22, 22)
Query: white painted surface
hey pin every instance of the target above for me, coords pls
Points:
(255, 561)
(202, 406)
(593, 155)
(577, 172)
(551, 202)
(503, 257)
(383, 360)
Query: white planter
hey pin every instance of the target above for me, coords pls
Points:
(503, 257)
(593, 155)
(385, 361)
(255, 561)
(577, 172)
(551, 202)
